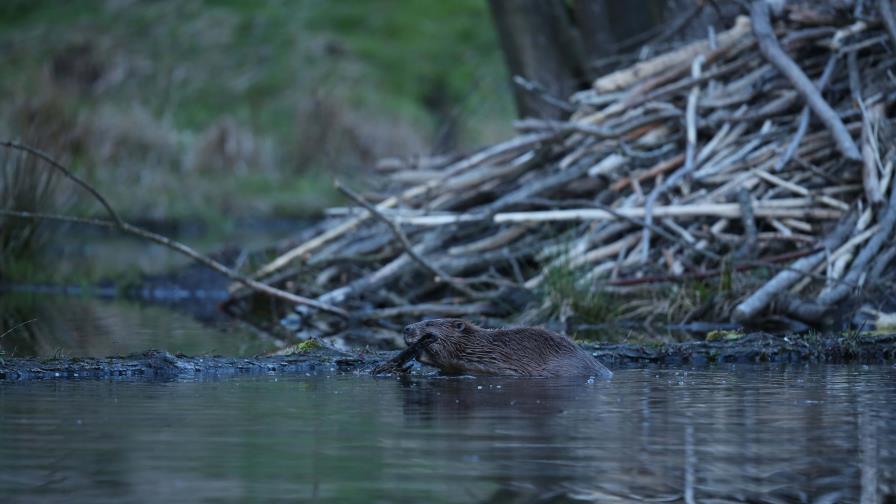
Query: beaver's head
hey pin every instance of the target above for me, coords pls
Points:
(441, 341)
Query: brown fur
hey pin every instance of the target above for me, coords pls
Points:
(459, 347)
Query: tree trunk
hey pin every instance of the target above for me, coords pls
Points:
(563, 45)
(540, 43)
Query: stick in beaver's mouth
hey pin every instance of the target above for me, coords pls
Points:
(397, 364)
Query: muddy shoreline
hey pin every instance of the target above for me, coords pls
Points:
(163, 366)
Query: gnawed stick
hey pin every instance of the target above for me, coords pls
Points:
(440, 275)
(397, 364)
(690, 152)
(624, 78)
(871, 154)
(870, 120)
(511, 146)
(804, 117)
(747, 310)
(771, 49)
(442, 309)
(765, 209)
(814, 311)
(491, 242)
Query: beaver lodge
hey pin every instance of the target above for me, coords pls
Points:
(745, 176)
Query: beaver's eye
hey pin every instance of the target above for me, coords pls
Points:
(459, 325)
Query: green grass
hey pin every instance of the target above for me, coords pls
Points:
(372, 74)
(588, 304)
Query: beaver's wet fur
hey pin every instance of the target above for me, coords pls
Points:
(456, 346)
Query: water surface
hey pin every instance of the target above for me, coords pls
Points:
(746, 433)
(83, 326)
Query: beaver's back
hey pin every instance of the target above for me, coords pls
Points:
(534, 351)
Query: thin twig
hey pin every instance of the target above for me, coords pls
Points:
(187, 251)
(541, 93)
(68, 174)
(690, 152)
(13, 328)
(771, 49)
(405, 244)
(804, 116)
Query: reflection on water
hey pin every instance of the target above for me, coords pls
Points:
(86, 327)
(755, 434)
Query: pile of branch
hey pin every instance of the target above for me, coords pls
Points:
(767, 146)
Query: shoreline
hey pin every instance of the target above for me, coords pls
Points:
(754, 348)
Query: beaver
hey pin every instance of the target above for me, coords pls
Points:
(456, 346)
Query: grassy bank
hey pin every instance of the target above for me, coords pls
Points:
(233, 107)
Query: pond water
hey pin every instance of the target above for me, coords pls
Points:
(83, 326)
(746, 433)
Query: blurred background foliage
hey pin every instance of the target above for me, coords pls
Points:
(226, 108)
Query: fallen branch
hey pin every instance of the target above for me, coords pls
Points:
(690, 152)
(724, 210)
(62, 169)
(185, 250)
(440, 276)
(885, 7)
(771, 49)
(747, 310)
(117, 223)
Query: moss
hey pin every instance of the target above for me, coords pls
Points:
(307, 346)
(722, 335)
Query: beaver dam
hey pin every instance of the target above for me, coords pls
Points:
(739, 180)
(747, 176)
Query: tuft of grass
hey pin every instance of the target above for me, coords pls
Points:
(568, 298)
(29, 185)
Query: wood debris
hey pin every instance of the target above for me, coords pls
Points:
(767, 149)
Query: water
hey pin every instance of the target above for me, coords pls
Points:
(747, 433)
(81, 326)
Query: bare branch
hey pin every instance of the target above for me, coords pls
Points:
(771, 49)
(117, 223)
(405, 244)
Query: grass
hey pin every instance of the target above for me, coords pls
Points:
(152, 97)
(213, 110)
(655, 306)
(25, 186)
(568, 298)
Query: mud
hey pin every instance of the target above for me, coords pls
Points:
(752, 348)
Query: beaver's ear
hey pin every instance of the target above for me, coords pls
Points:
(459, 325)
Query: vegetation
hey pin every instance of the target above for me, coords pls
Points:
(569, 298)
(227, 107)
(24, 186)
